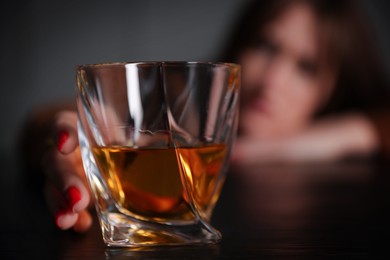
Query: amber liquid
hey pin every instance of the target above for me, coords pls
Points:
(161, 183)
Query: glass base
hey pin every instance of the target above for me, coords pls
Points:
(122, 231)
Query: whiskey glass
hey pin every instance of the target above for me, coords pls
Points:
(155, 140)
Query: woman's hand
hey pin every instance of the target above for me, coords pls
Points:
(66, 189)
(49, 147)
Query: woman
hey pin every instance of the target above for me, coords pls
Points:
(312, 89)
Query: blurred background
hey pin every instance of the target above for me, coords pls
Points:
(43, 41)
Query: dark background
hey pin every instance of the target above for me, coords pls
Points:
(43, 41)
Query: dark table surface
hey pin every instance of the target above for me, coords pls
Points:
(302, 211)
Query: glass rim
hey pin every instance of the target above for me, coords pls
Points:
(173, 63)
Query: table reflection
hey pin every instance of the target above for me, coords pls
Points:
(308, 210)
(289, 196)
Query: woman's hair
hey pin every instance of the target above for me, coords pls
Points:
(347, 45)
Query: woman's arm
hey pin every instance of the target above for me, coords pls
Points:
(327, 139)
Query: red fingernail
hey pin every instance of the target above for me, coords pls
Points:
(74, 196)
(61, 140)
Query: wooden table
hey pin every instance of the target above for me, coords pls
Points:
(313, 210)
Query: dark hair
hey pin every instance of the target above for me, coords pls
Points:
(348, 42)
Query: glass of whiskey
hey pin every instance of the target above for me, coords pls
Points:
(155, 140)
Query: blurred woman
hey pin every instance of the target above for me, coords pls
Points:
(313, 89)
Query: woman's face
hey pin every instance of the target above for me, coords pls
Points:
(283, 80)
